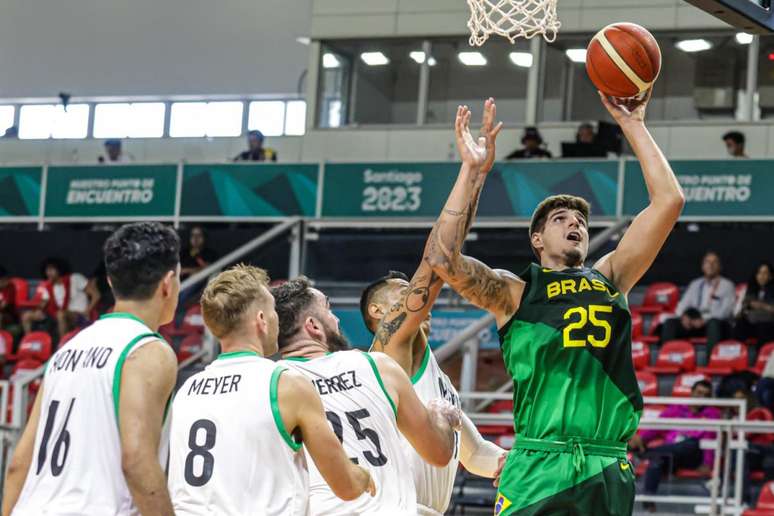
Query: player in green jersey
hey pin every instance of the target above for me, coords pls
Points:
(565, 331)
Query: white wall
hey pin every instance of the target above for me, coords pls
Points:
(151, 47)
(399, 143)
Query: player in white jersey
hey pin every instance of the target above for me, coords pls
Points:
(94, 443)
(238, 426)
(398, 312)
(368, 400)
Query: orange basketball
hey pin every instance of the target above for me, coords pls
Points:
(623, 60)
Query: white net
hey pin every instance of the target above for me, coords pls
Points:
(512, 19)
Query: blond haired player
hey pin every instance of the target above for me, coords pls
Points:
(369, 402)
(94, 441)
(398, 312)
(238, 426)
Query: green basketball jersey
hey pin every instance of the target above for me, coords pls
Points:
(568, 350)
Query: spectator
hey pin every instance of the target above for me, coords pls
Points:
(62, 298)
(114, 154)
(735, 141)
(196, 256)
(532, 142)
(586, 134)
(11, 133)
(706, 307)
(256, 151)
(100, 294)
(681, 448)
(9, 318)
(756, 317)
(764, 390)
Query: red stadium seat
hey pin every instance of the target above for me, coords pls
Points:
(26, 365)
(193, 323)
(191, 345)
(660, 297)
(640, 355)
(765, 504)
(498, 407)
(728, 356)
(675, 356)
(23, 294)
(693, 474)
(648, 383)
(763, 356)
(35, 346)
(6, 344)
(685, 382)
(760, 414)
(636, 325)
(67, 337)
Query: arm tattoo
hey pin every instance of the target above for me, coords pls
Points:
(419, 293)
(388, 328)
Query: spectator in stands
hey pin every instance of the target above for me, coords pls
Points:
(679, 449)
(756, 316)
(764, 390)
(256, 151)
(100, 294)
(735, 141)
(63, 302)
(533, 146)
(11, 133)
(114, 153)
(706, 307)
(196, 256)
(586, 134)
(9, 318)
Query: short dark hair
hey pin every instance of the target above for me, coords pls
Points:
(372, 289)
(291, 299)
(137, 256)
(702, 383)
(735, 136)
(570, 202)
(60, 264)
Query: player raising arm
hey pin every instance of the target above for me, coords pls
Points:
(565, 333)
(237, 426)
(398, 312)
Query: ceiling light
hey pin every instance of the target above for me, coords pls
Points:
(744, 38)
(304, 40)
(576, 55)
(331, 61)
(374, 58)
(523, 59)
(419, 57)
(694, 45)
(472, 58)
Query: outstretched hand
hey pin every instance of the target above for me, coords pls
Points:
(627, 111)
(479, 153)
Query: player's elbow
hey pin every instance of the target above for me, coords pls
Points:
(439, 456)
(349, 489)
(132, 461)
(16, 468)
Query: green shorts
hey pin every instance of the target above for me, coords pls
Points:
(566, 477)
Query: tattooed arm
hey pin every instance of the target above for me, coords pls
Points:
(397, 333)
(497, 291)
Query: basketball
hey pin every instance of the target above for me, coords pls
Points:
(623, 60)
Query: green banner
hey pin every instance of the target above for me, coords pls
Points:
(712, 188)
(20, 191)
(420, 189)
(111, 191)
(260, 190)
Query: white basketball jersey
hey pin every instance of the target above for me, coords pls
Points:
(230, 453)
(76, 463)
(434, 485)
(362, 415)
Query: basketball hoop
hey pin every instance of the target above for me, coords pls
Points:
(512, 19)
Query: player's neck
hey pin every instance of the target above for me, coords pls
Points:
(148, 313)
(556, 264)
(304, 348)
(237, 344)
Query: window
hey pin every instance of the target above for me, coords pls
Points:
(140, 120)
(295, 118)
(41, 121)
(267, 116)
(197, 119)
(6, 118)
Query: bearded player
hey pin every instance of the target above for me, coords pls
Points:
(397, 311)
(565, 332)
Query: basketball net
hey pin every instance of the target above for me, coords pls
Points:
(512, 19)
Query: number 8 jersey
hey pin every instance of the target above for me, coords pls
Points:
(230, 454)
(363, 417)
(76, 463)
(569, 347)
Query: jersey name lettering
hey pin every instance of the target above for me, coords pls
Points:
(339, 383)
(220, 385)
(448, 394)
(576, 286)
(69, 359)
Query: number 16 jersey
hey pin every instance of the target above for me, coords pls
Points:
(363, 417)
